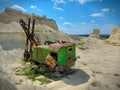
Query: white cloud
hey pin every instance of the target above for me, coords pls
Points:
(101, 0)
(82, 1)
(67, 23)
(71, 0)
(15, 6)
(97, 15)
(87, 28)
(101, 14)
(34, 7)
(105, 9)
(61, 18)
(92, 21)
(83, 23)
(58, 1)
(82, 16)
(58, 8)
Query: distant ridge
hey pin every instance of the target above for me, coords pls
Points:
(87, 35)
(11, 15)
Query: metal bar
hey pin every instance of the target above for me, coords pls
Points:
(28, 32)
(32, 35)
(29, 25)
(33, 24)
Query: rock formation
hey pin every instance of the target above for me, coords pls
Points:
(115, 36)
(95, 33)
(12, 35)
(10, 15)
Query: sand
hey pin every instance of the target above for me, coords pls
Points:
(97, 68)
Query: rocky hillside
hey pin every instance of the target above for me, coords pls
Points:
(11, 15)
(12, 35)
(115, 36)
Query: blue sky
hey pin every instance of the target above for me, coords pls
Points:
(72, 16)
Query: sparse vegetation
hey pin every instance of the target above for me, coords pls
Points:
(37, 30)
(82, 46)
(23, 62)
(101, 58)
(19, 82)
(40, 18)
(97, 72)
(84, 63)
(32, 74)
(44, 80)
(43, 31)
(96, 84)
(112, 43)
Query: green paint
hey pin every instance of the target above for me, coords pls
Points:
(63, 54)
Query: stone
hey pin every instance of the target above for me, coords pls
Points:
(95, 33)
(115, 36)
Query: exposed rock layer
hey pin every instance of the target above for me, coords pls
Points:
(11, 15)
(115, 36)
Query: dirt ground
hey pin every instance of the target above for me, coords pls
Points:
(97, 68)
(103, 60)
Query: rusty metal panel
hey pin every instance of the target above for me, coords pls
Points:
(57, 46)
(39, 53)
(34, 54)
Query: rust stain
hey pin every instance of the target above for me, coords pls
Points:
(59, 45)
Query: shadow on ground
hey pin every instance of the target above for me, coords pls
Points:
(12, 40)
(75, 78)
(6, 85)
(12, 44)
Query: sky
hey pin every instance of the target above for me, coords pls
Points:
(72, 16)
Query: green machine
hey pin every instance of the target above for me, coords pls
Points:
(62, 53)
(53, 56)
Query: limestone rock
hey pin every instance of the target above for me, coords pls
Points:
(95, 33)
(115, 35)
(11, 15)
